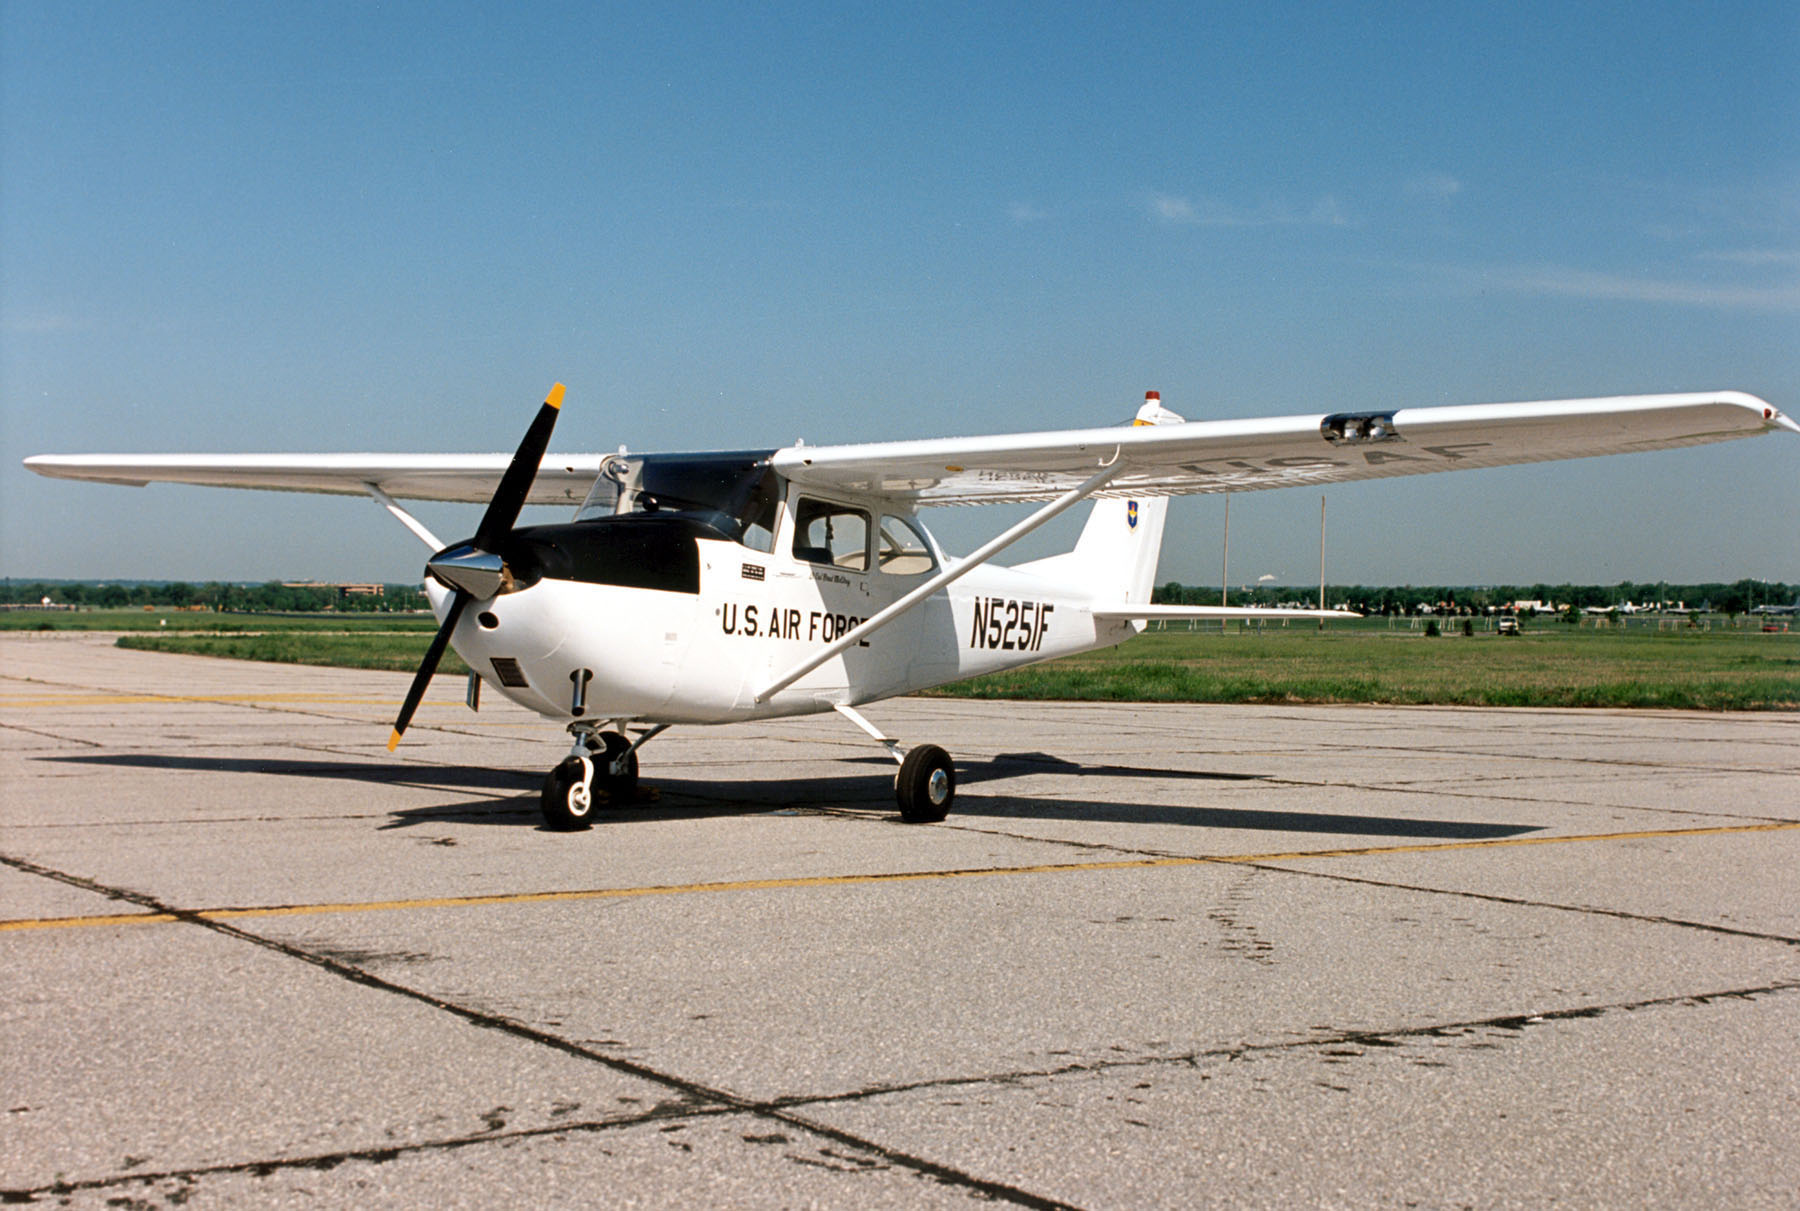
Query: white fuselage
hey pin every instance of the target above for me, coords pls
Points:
(658, 656)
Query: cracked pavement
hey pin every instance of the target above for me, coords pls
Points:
(1158, 954)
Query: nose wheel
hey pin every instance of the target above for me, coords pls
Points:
(603, 768)
(568, 797)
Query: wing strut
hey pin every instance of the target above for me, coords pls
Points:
(961, 568)
(404, 518)
(880, 737)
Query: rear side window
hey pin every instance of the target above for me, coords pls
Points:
(834, 535)
(900, 550)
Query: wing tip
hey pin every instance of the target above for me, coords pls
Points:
(72, 466)
(1775, 418)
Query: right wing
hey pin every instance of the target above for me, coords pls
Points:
(1275, 452)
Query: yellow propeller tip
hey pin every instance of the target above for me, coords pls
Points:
(394, 740)
(555, 397)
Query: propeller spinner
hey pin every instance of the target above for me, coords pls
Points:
(474, 569)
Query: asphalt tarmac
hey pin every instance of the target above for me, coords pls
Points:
(1160, 955)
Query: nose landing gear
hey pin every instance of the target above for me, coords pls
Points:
(602, 766)
(568, 797)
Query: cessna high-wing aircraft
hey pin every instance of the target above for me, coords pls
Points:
(709, 588)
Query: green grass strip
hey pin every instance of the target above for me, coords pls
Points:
(395, 652)
(1548, 667)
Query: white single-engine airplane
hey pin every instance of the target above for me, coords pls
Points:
(710, 588)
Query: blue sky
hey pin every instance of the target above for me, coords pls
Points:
(238, 227)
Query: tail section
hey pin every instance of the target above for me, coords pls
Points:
(1115, 557)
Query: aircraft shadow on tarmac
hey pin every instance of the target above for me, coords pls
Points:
(515, 800)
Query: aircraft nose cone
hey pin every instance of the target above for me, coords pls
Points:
(467, 567)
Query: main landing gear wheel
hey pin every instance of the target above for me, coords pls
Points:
(608, 747)
(926, 785)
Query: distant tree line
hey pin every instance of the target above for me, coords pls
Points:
(212, 595)
(1405, 600)
(1736, 598)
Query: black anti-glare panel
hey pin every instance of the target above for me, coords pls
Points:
(634, 552)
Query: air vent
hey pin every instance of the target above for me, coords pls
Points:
(509, 672)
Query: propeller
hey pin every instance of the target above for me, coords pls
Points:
(474, 568)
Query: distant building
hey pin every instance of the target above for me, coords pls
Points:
(344, 589)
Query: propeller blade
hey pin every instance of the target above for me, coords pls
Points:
(515, 485)
(428, 666)
(478, 561)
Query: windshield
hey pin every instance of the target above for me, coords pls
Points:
(733, 493)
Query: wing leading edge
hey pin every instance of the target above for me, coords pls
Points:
(561, 479)
(1159, 460)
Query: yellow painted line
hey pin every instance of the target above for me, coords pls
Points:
(143, 699)
(1047, 868)
(123, 918)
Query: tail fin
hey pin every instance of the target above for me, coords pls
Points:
(1115, 557)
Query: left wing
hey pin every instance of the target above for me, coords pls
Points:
(561, 479)
(1277, 452)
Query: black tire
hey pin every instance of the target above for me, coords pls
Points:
(566, 808)
(926, 785)
(618, 787)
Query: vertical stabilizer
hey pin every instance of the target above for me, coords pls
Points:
(1115, 557)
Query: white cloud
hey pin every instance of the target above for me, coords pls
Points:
(1437, 187)
(1566, 282)
(1756, 256)
(1025, 212)
(1211, 212)
(1327, 213)
(1173, 209)
(42, 323)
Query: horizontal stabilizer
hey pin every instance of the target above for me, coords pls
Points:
(1152, 613)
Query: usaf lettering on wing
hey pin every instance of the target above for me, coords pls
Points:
(1450, 452)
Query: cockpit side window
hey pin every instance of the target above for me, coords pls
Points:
(830, 534)
(900, 549)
